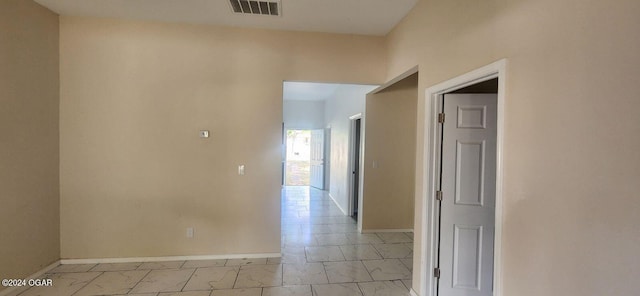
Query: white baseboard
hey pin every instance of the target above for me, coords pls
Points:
(169, 258)
(338, 205)
(386, 230)
(413, 292)
(11, 291)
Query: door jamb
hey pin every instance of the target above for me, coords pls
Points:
(431, 164)
(352, 123)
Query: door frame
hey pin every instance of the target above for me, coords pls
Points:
(352, 127)
(431, 174)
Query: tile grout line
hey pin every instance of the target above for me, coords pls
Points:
(189, 279)
(89, 282)
(360, 288)
(402, 281)
(139, 281)
(236, 279)
(367, 269)
(326, 274)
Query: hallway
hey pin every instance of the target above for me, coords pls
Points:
(321, 247)
(322, 255)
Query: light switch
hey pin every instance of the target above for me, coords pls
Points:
(204, 134)
(241, 169)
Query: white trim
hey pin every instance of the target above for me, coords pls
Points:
(17, 290)
(391, 82)
(494, 70)
(338, 205)
(412, 292)
(386, 230)
(169, 258)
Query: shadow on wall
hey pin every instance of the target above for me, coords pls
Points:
(390, 155)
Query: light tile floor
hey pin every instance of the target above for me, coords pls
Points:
(322, 255)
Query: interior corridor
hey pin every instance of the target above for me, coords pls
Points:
(322, 247)
(322, 255)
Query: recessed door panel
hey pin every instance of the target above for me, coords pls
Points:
(469, 173)
(472, 116)
(467, 249)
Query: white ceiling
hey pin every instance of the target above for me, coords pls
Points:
(313, 91)
(368, 17)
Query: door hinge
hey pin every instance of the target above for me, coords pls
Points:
(436, 272)
(439, 195)
(440, 117)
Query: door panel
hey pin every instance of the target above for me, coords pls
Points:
(469, 173)
(467, 248)
(317, 159)
(468, 191)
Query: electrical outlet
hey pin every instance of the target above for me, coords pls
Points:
(204, 134)
(190, 232)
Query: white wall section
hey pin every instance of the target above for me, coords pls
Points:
(347, 101)
(303, 114)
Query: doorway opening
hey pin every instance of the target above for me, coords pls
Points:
(355, 161)
(304, 158)
(298, 157)
(324, 111)
(462, 212)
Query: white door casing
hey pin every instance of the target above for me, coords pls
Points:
(468, 190)
(425, 283)
(317, 158)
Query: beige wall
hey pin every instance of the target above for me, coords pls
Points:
(390, 141)
(571, 160)
(29, 96)
(135, 175)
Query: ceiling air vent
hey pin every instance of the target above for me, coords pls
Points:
(255, 7)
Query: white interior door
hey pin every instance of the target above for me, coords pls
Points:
(468, 195)
(317, 159)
